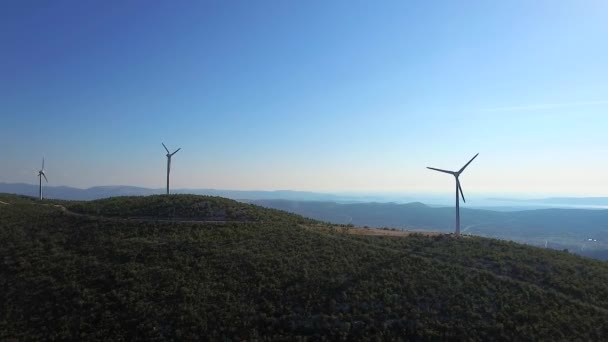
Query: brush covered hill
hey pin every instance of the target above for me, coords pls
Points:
(177, 208)
(90, 273)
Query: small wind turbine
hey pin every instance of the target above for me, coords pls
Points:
(458, 190)
(169, 155)
(40, 175)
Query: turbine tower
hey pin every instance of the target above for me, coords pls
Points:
(458, 190)
(169, 155)
(40, 175)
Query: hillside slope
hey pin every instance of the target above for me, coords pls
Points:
(558, 228)
(67, 276)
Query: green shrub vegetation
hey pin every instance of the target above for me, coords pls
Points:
(186, 207)
(257, 274)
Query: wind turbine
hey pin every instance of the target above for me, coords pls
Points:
(458, 190)
(40, 175)
(169, 155)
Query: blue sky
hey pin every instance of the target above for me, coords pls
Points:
(307, 95)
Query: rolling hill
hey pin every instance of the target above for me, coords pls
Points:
(193, 267)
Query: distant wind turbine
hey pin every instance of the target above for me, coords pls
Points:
(40, 175)
(458, 190)
(169, 155)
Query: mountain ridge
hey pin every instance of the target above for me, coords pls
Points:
(101, 191)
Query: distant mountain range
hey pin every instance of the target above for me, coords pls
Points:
(600, 201)
(69, 193)
(555, 228)
(97, 192)
(494, 203)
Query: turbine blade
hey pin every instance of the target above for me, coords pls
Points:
(461, 193)
(43, 163)
(176, 151)
(166, 149)
(440, 170)
(467, 164)
(45, 177)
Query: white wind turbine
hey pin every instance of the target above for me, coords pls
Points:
(458, 190)
(169, 155)
(40, 175)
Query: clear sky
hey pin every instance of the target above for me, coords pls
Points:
(307, 95)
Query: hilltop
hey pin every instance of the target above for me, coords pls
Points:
(187, 267)
(178, 208)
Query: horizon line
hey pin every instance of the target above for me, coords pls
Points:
(324, 192)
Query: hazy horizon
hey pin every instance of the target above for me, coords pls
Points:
(474, 199)
(311, 96)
